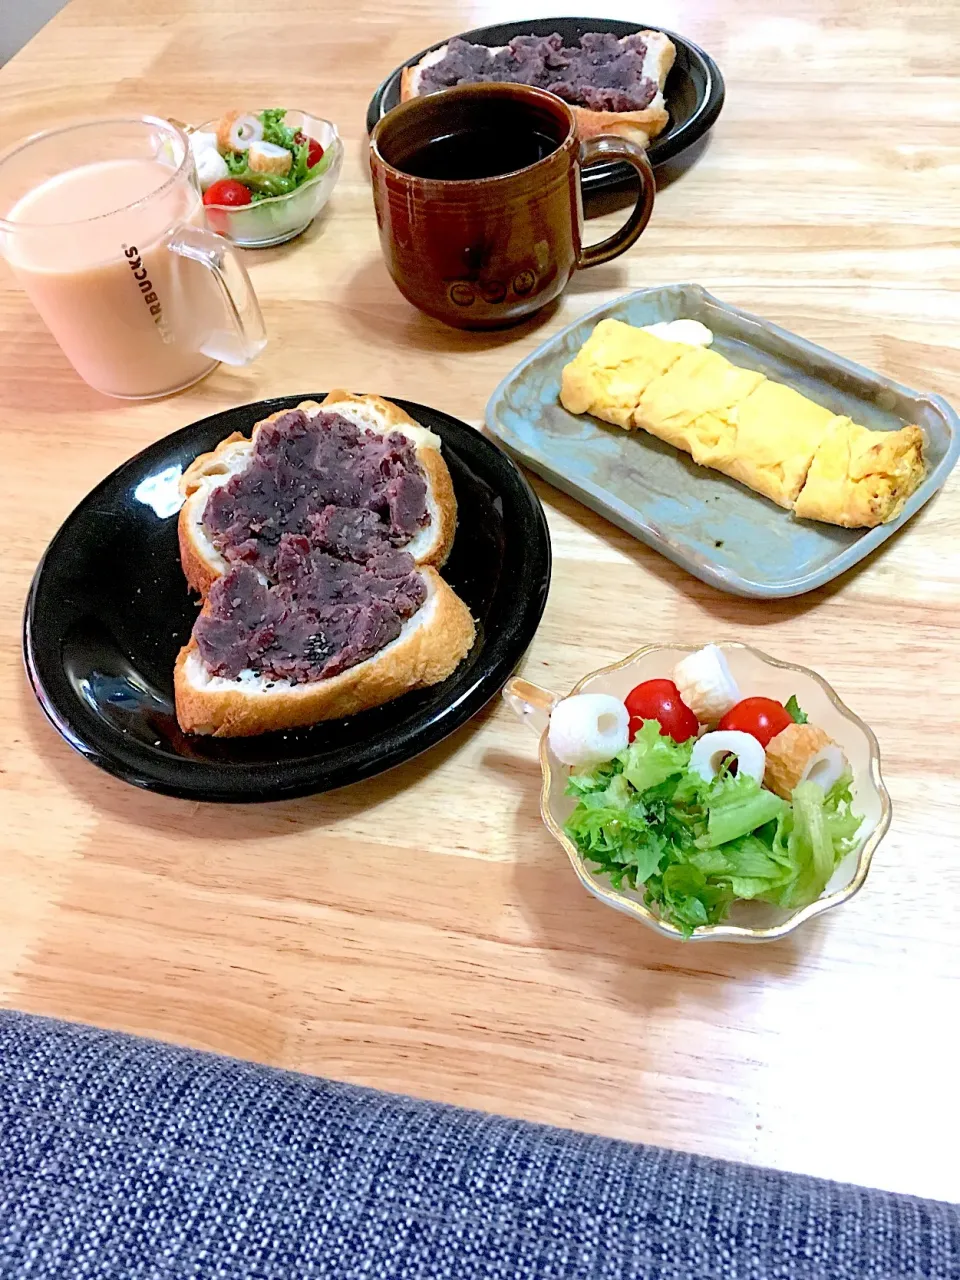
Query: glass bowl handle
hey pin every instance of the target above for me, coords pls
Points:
(530, 703)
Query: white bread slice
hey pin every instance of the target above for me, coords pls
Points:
(431, 643)
(202, 562)
(429, 647)
(638, 126)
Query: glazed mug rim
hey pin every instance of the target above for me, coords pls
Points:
(527, 92)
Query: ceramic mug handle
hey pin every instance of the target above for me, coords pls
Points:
(530, 703)
(612, 147)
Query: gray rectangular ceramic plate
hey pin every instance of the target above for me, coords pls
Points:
(720, 531)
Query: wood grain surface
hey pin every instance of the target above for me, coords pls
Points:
(422, 932)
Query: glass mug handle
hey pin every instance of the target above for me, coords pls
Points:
(246, 337)
(612, 147)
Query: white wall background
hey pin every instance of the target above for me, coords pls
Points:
(20, 20)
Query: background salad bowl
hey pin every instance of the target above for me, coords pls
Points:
(274, 219)
(757, 675)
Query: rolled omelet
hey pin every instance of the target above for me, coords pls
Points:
(818, 464)
(861, 478)
(778, 432)
(700, 383)
(613, 368)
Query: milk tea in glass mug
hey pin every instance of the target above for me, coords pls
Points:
(102, 223)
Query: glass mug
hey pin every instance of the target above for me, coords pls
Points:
(102, 225)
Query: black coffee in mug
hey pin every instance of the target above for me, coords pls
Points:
(471, 153)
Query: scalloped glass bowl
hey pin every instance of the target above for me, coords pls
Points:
(280, 218)
(757, 674)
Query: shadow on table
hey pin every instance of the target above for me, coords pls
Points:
(673, 170)
(620, 957)
(384, 325)
(598, 203)
(317, 229)
(231, 822)
(731, 610)
(33, 359)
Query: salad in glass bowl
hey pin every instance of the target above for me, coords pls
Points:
(265, 175)
(712, 792)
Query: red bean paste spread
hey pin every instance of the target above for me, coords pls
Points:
(313, 530)
(602, 73)
(351, 491)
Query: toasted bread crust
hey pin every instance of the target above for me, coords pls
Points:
(203, 565)
(638, 126)
(197, 569)
(206, 464)
(391, 413)
(441, 486)
(408, 78)
(426, 654)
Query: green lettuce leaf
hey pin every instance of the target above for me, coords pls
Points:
(268, 184)
(792, 707)
(274, 130)
(617, 837)
(813, 834)
(646, 821)
(737, 806)
(687, 898)
(582, 784)
(652, 758)
(322, 165)
(754, 871)
(236, 162)
(299, 171)
(751, 857)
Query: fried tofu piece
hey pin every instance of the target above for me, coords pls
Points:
(613, 368)
(860, 477)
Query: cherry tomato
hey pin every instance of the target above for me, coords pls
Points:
(227, 191)
(763, 718)
(314, 152)
(660, 700)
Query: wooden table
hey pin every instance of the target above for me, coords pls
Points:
(422, 932)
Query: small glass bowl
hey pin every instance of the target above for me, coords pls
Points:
(280, 218)
(757, 675)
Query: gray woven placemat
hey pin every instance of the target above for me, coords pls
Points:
(122, 1157)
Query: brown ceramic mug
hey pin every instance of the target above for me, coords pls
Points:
(477, 192)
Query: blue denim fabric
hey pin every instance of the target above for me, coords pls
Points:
(126, 1158)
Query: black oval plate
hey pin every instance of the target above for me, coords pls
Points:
(694, 89)
(109, 609)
